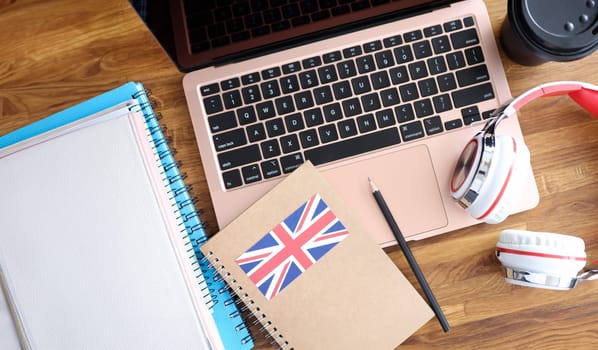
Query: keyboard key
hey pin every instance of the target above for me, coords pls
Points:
(392, 41)
(251, 94)
(427, 87)
(380, 80)
(412, 131)
(213, 104)
(433, 125)
(418, 70)
(442, 103)
(385, 118)
(353, 146)
(311, 62)
(361, 85)
(474, 55)
(313, 117)
(452, 25)
(423, 108)
(399, 75)
(209, 89)
(251, 173)
(384, 59)
(471, 115)
(403, 54)
(404, 113)
(270, 148)
(250, 78)
(289, 143)
(232, 99)
(291, 162)
(346, 69)
(328, 133)
(294, 122)
(352, 51)
(229, 139)
(347, 128)
(246, 115)
(332, 112)
(270, 89)
(323, 94)
(372, 46)
(408, 92)
(232, 179)
(222, 121)
(303, 100)
(291, 67)
(446, 82)
(238, 157)
(390, 97)
(453, 124)
(468, 21)
(289, 84)
(270, 168)
(284, 105)
(308, 138)
(365, 64)
(455, 60)
(275, 127)
(473, 95)
(432, 31)
(229, 84)
(413, 36)
(441, 44)
(370, 102)
(341, 90)
(256, 132)
(351, 107)
(464, 38)
(265, 110)
(365, 123)
(332, 57)
(472, 75)
(308, 79)
(327, 74)
(422, 49)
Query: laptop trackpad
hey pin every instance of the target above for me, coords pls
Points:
(408, 182)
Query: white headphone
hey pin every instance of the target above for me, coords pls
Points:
(491, 168)
(487, 179)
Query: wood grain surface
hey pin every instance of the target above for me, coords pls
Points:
(61, 52)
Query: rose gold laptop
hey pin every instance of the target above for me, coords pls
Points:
(394, 98)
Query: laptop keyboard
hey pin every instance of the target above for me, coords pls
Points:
(347, 102)
(216, 23)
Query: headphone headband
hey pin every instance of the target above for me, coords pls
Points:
(585, 94)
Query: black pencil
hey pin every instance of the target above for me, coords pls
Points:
(409, 256)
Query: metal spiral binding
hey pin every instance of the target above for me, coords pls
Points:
(246, 303)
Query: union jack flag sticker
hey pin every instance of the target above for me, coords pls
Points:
(291, 247)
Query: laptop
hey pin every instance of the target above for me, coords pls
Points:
(390, 90)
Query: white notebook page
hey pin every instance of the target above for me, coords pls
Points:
(84, 248)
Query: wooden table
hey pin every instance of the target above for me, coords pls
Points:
(57, 53)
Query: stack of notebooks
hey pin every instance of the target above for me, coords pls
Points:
(101, 248)
(99, 237)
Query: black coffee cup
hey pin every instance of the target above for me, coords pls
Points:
(537, 31)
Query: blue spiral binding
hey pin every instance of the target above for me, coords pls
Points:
(232, 329)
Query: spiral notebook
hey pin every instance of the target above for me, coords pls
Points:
(311, 275)
(211, 316)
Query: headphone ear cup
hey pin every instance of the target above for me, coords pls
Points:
(508, 170)
(547, 253)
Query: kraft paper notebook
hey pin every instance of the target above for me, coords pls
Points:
(99, 236)
(311, 275)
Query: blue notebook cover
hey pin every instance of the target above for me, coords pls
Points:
(231, 327)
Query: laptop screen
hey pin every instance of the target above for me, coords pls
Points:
(217, 32)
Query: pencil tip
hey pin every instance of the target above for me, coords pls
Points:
(372, 185)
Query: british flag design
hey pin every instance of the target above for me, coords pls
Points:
(291, 247)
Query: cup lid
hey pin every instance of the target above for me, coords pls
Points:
(563, 28)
